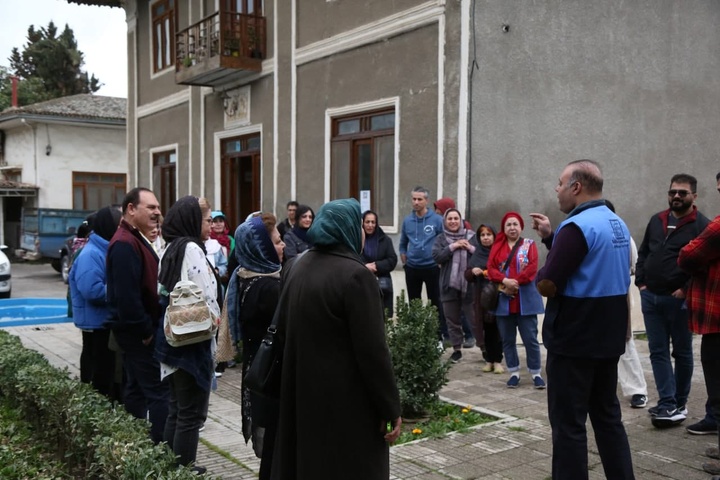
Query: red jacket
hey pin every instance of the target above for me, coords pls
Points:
(701, 258)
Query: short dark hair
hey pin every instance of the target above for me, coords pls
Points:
(292, 203)
(685, 178)
(717, 177)
(133, 196)
(588, 174)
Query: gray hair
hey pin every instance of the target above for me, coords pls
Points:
(422, 190)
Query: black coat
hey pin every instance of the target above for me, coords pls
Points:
(385, 258)
(338, 384)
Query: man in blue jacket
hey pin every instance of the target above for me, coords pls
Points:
(586, 280)
(417, 237)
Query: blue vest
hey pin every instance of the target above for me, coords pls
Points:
(608, 257)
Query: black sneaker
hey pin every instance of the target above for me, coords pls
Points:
(703, 427)
(198, 470)
(456, 356)
(653, 411)
(668, 418)
(638, 401)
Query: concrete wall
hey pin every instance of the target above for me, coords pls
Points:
(74, 149)
(634, 85)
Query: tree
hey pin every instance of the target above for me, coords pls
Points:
(50, 66)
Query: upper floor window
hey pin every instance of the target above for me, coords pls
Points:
(164, 179)
(248, 7)
(93, 191)
(363, 161)
(163, 34)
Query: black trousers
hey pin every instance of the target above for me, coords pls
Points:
(578, 387)
(710, 359)
(187, 412)
(414, 280)
(97, 363)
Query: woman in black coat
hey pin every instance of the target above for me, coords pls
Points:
(253, 295)
(296, 240)
(484, 325)
(380, 258)
(336, 362)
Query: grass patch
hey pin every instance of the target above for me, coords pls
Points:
(517, 429)
(641, 336)
(443, 418)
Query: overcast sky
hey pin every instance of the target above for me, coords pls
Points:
(101, 34)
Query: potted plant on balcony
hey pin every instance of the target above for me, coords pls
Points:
(231, 44)
(254, 43)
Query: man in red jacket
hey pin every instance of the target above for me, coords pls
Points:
(701, 259)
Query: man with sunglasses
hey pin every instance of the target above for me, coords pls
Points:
(663, 287)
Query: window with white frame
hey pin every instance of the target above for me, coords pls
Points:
(362, 160)
(163, 34)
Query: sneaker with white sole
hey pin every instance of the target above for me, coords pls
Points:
(668, 418)
(638, 401)
(538, 382)
(703, 427)
(513, 382)
(456, 356)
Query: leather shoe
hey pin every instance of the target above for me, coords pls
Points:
(713, 468)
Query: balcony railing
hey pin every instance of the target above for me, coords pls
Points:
(219, 48)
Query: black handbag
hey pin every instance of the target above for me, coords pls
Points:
(263, 375)
(265, 370)
(490, 293)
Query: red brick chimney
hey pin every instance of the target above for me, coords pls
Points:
(14, 80)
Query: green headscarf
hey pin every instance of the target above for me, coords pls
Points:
(338, 223)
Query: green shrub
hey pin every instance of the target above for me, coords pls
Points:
(419, 369)
(76, 426)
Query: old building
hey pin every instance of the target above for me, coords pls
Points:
(69, 152)
(256, 102)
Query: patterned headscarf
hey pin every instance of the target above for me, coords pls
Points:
(256, 255)
(338, 223)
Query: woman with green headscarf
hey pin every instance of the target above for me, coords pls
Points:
(336, 361)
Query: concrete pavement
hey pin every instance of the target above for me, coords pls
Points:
(517, 446)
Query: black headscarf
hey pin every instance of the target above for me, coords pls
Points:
(480, 257)
(106, 222)
(182, 225)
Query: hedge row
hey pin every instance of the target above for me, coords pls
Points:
(74, 428)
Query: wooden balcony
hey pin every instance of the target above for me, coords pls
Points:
(222, 48)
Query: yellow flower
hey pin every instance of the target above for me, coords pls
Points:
(416, 431)
(465, 410)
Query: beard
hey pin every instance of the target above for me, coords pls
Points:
(680, 205)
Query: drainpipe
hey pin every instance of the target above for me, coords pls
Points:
(35, 158)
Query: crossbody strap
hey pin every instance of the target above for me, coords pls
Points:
(512, 254)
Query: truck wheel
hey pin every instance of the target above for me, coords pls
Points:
(55, 264)
(5, 294)
(65, 268)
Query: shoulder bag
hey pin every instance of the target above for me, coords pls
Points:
(490, 293)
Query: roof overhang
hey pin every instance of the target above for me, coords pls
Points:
(19, 119)
(18, 191)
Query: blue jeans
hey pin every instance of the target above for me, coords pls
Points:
(527, 325)
(666, 323)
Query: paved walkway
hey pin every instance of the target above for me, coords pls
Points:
(517, 446)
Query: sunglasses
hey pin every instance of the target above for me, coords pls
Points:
(680, 193)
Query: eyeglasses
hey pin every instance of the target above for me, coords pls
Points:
(681, 193)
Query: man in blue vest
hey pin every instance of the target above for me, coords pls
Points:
(586, 280)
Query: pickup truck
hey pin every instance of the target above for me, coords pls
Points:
(45, 233)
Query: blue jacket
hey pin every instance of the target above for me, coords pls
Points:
(418, 237)
(87, 285)
(588, 317)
